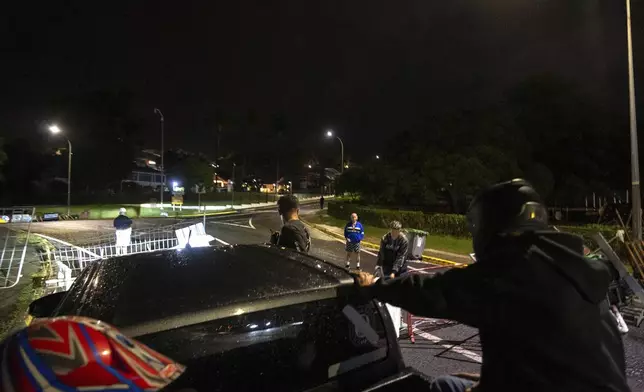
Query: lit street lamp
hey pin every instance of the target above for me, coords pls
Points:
(55, 130)
(377, 156)
(329, 134)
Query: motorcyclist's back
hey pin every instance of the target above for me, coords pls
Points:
(539, 305)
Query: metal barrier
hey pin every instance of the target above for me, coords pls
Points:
(13, 245)
(69, 259)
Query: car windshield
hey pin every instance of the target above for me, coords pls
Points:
(291, 348)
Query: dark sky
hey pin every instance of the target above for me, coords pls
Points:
(365, 68)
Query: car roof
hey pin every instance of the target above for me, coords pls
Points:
(156, 291)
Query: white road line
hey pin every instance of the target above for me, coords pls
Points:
(457, 349)
(250, 222)
(221, 242)
(232, 224)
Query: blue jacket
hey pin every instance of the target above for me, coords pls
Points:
(354, 234)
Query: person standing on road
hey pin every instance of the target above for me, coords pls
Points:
(353, 234)
(322, 202)
(123, 226)
(294, 234)
(392, 256)
(539, 304)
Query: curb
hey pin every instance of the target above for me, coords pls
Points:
(371, 245)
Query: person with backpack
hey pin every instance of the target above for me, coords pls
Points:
(293, 234)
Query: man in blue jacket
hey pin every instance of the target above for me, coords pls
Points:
(353, 233)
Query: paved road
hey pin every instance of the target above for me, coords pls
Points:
(432, 336)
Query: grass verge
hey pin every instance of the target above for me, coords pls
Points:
(373, 234)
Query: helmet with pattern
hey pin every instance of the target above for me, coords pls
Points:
(80, 354)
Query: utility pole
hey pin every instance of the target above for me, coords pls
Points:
(161, 118)
(635, 166)
(232, 203)
(277, 176)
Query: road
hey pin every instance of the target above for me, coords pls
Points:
(432, 336)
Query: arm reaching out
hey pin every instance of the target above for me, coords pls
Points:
(458, 294)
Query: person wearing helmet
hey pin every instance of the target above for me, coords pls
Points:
(539, 304)
(392, 256)
(123, 226)
(81, 354)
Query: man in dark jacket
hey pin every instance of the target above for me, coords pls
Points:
(294, 234)
(392, 255)
(538, 303)
(123, 226)
(122, 221)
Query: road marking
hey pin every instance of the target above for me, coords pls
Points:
(221, 242)
(250, 222)
(457, 349)
(424, 270)
(232, 224)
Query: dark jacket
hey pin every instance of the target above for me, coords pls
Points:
(354, 233)
(122, 222)
(392, 256)
(541, 312)
(295, 235)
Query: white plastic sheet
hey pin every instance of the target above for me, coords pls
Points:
(396, 317)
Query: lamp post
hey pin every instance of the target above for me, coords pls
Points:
(329, 134)
(55, 130)
(161, 119)
(635, 166)
(232, 182)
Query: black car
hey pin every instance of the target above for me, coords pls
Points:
(244, 318)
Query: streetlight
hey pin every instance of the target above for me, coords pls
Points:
(329, 133)
(162, 168)
(232, 182)
(55, 130)
(635, 168)
(377, 156)
(310, 167)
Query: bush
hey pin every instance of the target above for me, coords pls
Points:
(442, 224)
(438, 224)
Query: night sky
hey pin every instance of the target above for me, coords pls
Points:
(364, 68)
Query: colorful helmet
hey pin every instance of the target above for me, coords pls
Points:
(80, 354)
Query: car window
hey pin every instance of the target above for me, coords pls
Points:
(290, 348)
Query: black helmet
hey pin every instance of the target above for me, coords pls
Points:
(512, 207)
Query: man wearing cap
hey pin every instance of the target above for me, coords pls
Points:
(123, 226)
(392, 256)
